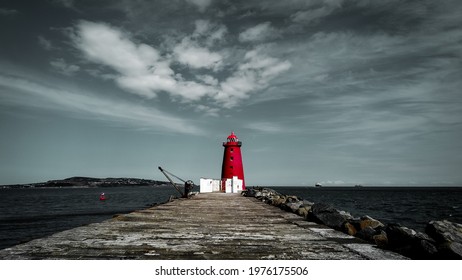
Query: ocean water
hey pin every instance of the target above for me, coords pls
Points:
(412, 207)
(26, 214)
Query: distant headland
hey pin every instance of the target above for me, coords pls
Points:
(89, 182)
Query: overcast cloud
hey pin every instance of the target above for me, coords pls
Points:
(333, 91)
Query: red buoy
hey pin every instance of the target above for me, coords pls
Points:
(102, 197)
(232, 166)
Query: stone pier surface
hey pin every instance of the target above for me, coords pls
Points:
(207, 226)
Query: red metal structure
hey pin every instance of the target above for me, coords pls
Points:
(232, 160)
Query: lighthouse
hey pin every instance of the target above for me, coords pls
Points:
(232, 170)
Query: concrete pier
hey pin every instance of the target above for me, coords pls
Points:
(207, 226)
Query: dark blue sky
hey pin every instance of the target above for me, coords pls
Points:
(334, 91)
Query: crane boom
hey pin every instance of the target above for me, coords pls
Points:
(165, 172)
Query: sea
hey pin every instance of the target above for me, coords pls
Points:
(30, 213)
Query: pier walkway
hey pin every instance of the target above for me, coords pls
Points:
(207, 226)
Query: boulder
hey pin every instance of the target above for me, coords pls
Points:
(292, 198)
(349, 229)
(303, 211)
(307, 203)
(292, 206)
(367, 234)
(367, 221)
(448, 237)
(381, 239)
(453, 251)
(278, 200)
(444, 231)
(426, 249)
(328, 215)
(398, 235)
(410, 243)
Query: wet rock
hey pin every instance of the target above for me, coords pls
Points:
(328, 215)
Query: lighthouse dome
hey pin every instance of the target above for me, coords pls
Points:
(232, 137)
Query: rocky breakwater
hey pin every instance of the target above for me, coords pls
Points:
(441, 240)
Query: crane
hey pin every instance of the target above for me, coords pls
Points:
(188, 185)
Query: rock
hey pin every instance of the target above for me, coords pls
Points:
(303, 211)
(278, 200)
(328, 215)
(448, 237)
(307, 203)
(367, 233)
(410, 243)
(367, 221)
(399, 235)
(292, 206)
(292, 198)
(427, 249)
(349, 229)
(381, 239)
(454, 251)
(444, 231)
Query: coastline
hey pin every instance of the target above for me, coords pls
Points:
(87, 182)
(441, 240)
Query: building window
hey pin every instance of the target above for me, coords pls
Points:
(232, 150)
(231, 158)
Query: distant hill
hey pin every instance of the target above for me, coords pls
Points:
(90, 182)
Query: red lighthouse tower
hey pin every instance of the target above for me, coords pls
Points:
(232, 161)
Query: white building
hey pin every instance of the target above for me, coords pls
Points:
(209, 185)
(214, 185)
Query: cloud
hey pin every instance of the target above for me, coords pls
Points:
(333, 182)
(62, 67)
(266, 127)
(45, 43)
(209, 33)
(207, 110)
(24, 92)
(254, 73)
(65, 3)
(194, 50)
(8, 12)
(208, 80)
(104, 44)
(189, 53)
(258, 33)
(140, 68)
(311, 16)
(201, 5)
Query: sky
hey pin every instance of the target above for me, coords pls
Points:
(331, 91)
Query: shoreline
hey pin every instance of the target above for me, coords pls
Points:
(442, 239)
